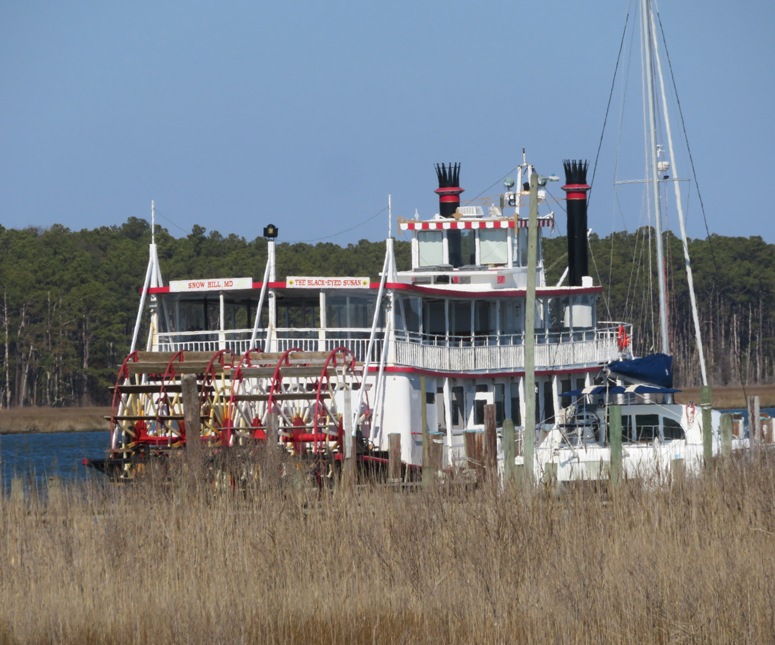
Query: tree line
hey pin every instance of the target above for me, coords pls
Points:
(69, 298)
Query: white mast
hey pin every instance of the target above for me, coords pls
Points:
(679, 207)
(653, 173)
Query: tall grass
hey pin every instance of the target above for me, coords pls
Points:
(691, 562)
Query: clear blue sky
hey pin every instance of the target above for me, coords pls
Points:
(235, 114)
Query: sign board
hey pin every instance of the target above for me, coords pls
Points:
(310, 282)
(216, 284)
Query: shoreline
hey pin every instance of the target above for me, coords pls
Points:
(37, 420)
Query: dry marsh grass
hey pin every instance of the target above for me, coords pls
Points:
(692, 562)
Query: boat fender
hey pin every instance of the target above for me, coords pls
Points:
(690, 414)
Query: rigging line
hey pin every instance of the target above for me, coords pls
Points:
(167, 219)
(352, 228)
(478, 195)
(610, 98)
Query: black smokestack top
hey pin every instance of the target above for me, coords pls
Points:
(576, 188)
(449, 199)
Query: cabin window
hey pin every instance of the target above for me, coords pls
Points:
(516, 413)
(298, 313)
(431, 248)
(672, 429)
(626, 428)
(440, 412)
(458, 407)
(646, 427)
(565, 386)
(512, 318)
(410, 309)
(434, 319)
(460, 317)
(548, 401)
(559, 314)
(500, 403)
(345, 311)
(483, 315)
(493, 247)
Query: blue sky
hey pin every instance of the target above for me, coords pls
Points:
(234, 114)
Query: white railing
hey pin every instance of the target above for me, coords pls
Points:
(458, 354)
(456, 358)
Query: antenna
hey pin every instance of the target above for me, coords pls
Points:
(153, 223)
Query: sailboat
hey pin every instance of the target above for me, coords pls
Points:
(658, 435)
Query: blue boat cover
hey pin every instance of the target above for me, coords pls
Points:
(656, 369)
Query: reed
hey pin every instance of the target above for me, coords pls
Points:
(693, 561)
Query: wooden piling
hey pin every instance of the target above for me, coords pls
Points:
(753, 419)
(509, 449)
(726, 435)
(271, 467)
(490, 441)
(394, 457)
(474, 448)
(437, 453)
(615, 442)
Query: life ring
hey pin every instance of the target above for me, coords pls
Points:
(622, 338)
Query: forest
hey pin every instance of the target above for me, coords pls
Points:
(69, 298)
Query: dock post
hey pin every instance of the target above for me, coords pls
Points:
(473, 444)
(394, 458)
(191, 414)
(706, 402)
(509, 449)
(490, 442)
(271, 468)
(753, 419)
(726, 435)
(615, 442)
(437, 453)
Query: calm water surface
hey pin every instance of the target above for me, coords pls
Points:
(35, 457)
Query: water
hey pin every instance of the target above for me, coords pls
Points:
(35, 457)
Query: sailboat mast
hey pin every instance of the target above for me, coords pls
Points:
(679, 208)
(653, 160)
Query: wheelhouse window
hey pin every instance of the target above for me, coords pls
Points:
(493, 246)
(431, 248)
